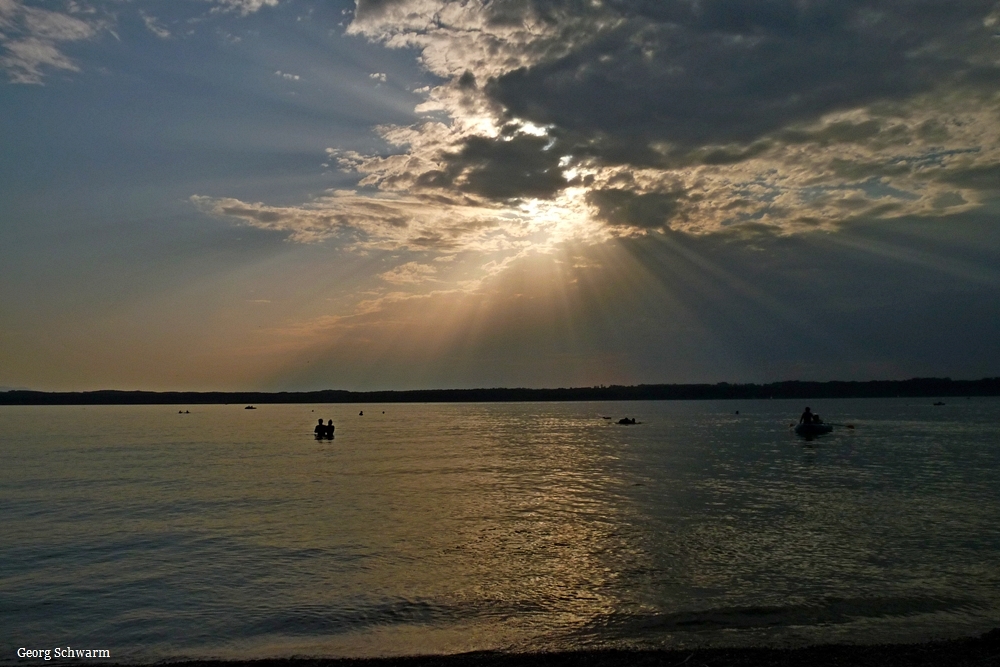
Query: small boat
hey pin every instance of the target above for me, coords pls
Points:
(249, 407)
(810, 430)
(939, 403)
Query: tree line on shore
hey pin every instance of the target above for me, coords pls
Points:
(915, 387)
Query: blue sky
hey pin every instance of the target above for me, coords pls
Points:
(304, 194)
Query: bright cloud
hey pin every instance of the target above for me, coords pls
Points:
(420, 223)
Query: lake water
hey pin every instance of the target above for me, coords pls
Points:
(434, 528)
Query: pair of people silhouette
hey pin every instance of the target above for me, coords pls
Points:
(324, 431)
(810, 417)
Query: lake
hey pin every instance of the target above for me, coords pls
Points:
(441, 528)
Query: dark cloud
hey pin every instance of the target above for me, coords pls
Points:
(502, 168)
(467, 81)
(985, 177)
(702, 115)
(373, 9)
(840, 132)
(716, 71)
(644, 211)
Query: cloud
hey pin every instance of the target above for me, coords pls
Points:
(411, 272)
(154, 26)
(30, 37)
(779, 115)
(721, 71)
(397, 222)
(509, 168)
(33, 33)
(651, 210)
(557, 121)
(244, 7)
(378, 76)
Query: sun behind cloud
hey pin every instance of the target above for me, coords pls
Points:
(610, 116)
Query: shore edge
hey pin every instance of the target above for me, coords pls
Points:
(981, 651)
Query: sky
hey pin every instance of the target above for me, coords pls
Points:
(284, 195)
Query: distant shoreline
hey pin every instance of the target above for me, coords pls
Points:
(914, 388)
(981, 651)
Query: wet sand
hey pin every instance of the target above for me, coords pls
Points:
(983, 651)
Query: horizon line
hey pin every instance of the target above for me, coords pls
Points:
(912, 387)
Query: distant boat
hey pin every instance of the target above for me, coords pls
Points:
(939, 403)
(249, 407)
(812, 430)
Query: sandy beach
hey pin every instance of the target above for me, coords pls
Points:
(979, 651)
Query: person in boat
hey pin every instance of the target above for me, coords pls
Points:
(807, 416)
(328, 431)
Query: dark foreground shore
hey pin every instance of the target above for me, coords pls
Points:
(981, 651)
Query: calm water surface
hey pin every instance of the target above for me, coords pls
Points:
(452, 527)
